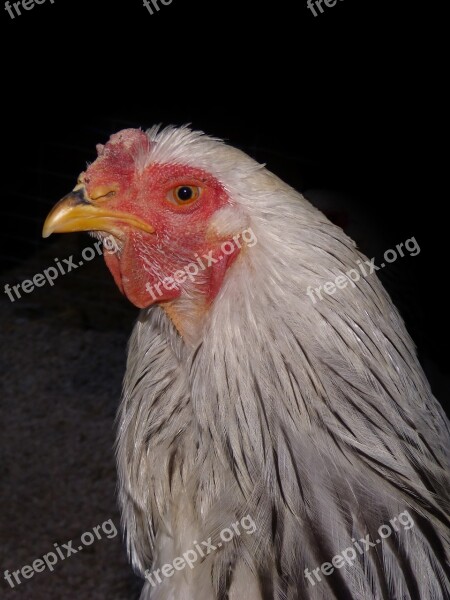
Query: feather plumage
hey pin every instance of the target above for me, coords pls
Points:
(315, 419)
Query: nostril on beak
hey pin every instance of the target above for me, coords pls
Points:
(77, 196)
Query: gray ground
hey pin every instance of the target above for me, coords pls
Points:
(62, 362)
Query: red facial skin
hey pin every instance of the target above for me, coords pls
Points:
(180, 236)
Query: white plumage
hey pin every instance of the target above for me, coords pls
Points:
(243, 399)
(315, 419)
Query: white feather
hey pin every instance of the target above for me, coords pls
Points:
(315, 419)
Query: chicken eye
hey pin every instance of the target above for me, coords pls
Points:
(184, 194)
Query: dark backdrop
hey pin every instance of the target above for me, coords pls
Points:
(345, 101)
(343, 106)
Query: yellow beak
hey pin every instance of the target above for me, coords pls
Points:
(76, 212)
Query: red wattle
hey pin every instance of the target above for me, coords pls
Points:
(132, 279)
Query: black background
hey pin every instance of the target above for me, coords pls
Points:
(346, 103)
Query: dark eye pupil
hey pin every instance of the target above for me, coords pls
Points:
(185, 193)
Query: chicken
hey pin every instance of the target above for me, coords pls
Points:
(244, 399)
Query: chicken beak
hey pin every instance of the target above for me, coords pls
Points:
(76, 212)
